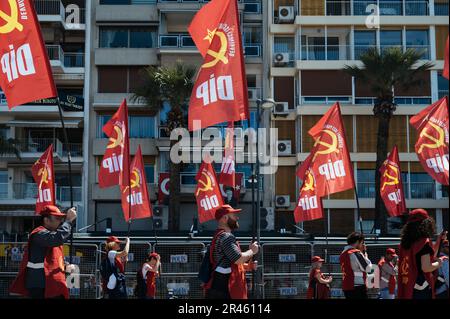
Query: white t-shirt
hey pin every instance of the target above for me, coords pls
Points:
(112, 256)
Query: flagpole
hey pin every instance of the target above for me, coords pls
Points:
(69, 165)
(359, 211)
(253, 216)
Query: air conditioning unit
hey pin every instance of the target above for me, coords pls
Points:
(252, 94)
(282, 201)
(281, 58)
(286, 14)
(281, 108)
(161, 217)
(284, 148)
(267, 218)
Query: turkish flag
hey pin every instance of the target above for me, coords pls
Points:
(309, 205)
(236, 188)
(25, 74)
(220, 92)
(391, 190)
(163, 188)
(446, 62)
(140, 202)
(114, 168)
(432, 143)
(207, 193)
(44, 177)
(330, 162)
(227, 171)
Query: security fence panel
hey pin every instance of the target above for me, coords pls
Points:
(286, 258)
(136, 256)
(330, 253)
(285, 285)
(179, 286)
(11, 256)
(6, 280)
(180, 257)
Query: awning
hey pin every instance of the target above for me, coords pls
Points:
(47, 124)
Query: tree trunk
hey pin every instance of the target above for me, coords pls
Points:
(174, 197)
(384, 117)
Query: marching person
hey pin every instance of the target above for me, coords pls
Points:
(113, 268)
(319, 284)
(442, 279)
(355, 265)
(42, 272)
(388, 274)
(229, 262)
(150, 271)
(417, 260)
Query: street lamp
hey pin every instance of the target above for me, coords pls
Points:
(263, 104)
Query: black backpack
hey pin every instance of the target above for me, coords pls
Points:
(206, 267)
(140, 291)
(106, 269)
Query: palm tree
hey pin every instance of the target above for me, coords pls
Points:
(9, 146)
(382, 72)
(172, 84)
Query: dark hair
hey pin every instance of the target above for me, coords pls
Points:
(354, 238)
(414, 231)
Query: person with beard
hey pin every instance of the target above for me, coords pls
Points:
(229, 262)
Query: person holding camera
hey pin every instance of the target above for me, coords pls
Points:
(42, 271)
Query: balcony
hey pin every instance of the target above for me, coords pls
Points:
(176, 42)
(386, 8)
(419, 190)
(252, 50)
(65, 62)
(325, 52)
(54, 11)
(32, 148)
(27, 192)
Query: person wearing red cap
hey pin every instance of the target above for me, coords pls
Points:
(319, 284)
(442, 278)
(150, 271)
(42, 271)
(229, 262)
(388, 274)
(113, 268)
(417, 257)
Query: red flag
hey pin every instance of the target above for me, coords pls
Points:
(220, 92)
(309, 205)
(44, 177)
(227, 172)
(26, 74)
(163, 188)
(140, 202)
(236, 189)
(432, 143)
(301, 170)
(330, 162)
(446, 62)
(114, 169)
(207, 193)
(391, 185)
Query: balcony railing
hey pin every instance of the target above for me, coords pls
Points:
(423, 49)
(366, 190)
(176, 41)
(22, 191)
(441, 9)
(63, 193)
(400, 100)
(67, 59)
(3, 190)
(326, 99)
(49, 7)
(76, 149)
(252, 50)
(338, 8)
(422, 190)
(325, 52)
(38, 145)
(395, 8)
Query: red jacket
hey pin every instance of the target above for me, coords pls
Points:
(316, 290)
(408, 269)
(151, 283)
(392, 281)
(55, 278)
(348, 277)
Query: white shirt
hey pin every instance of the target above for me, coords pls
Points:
(112, 256)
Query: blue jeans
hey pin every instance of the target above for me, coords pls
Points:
(384, 294)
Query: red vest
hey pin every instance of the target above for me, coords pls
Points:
(392, 281)
(408, 270)
(151, 283)
(237, 285)
(321, 291)
(55, 278)
(348, 277)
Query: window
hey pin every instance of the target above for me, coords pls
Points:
(390, 38)
(366, 183)
(252, 35)
(363, 41)
(442, 86)
(141, 126)
(390, 7)
(418, 40)
(127, 37)
(3, 184)
(150, 173)
(422, 186)
(119, 79)
(284, 45)
(4, 132)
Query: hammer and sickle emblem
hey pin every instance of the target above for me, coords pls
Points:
(44, 173)
(438, 142)
(220, 55)
(206, 186)
(114, 142)
(309, 183)
(404, 268)
(134, 182)
(393, 180)
(330, 148)
(12, 20)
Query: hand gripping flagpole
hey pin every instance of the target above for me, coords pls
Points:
(254, 226)
(69, 165)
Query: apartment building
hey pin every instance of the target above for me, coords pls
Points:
(37, 125)
(310, 41)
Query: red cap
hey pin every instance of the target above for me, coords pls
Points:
(417, 215)
(391, 251)
(316, 259)
(51, 210)
(112, 239)
(225, 210)
(154, 255)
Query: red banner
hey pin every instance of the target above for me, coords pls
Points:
(227, 171)
(26, 74)
(391, 186)
(446, 62)
(207, 193)
(236, 189)
(309, 205)
(140, 201)
(114, 168)
(330, 162)
(163, 188)
(301, 170)
(432, 143)
(220, 92)
(44, 177)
